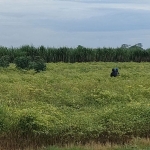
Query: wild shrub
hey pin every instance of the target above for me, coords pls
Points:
(27, 124)
(4, 61)
(22, 62)
(32, 64)
(38, 64)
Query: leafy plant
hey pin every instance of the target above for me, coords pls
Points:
(39, 64)
(4, 61)
(27, 124)
(22, 62)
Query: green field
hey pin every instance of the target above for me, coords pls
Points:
(74, 104)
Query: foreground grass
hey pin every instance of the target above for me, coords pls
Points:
(74, 103)
(135, 144)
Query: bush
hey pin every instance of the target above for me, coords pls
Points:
(22, 62)
(27, 124)
(32, 65)
(4, 61)
(38, 64)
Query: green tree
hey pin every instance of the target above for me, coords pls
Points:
(22, 62)
(38, 64)
(4, 61)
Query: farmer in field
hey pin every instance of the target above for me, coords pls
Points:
(117, 71)
(114, 72)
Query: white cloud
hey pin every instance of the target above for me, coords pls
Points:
(73, 22)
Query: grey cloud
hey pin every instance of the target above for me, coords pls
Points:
(120, 21)
(73, 22)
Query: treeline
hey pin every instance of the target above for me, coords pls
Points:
(79, 54)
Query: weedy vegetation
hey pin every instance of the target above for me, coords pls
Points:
(74, 103)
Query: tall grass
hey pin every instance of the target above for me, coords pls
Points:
(74, 103)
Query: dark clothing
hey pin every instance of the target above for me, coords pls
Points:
(117, 71)
(114, 72)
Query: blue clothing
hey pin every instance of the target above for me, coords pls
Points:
(114, 72)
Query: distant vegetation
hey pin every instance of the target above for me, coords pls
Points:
(125, 53)
(25, 62)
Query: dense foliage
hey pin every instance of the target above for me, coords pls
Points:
(79, 54)
(74, 103)
(22, 62)
(4, 61)
(25, 62)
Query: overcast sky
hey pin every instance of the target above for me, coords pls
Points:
(90, 23)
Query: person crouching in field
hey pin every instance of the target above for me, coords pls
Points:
(114, 72)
